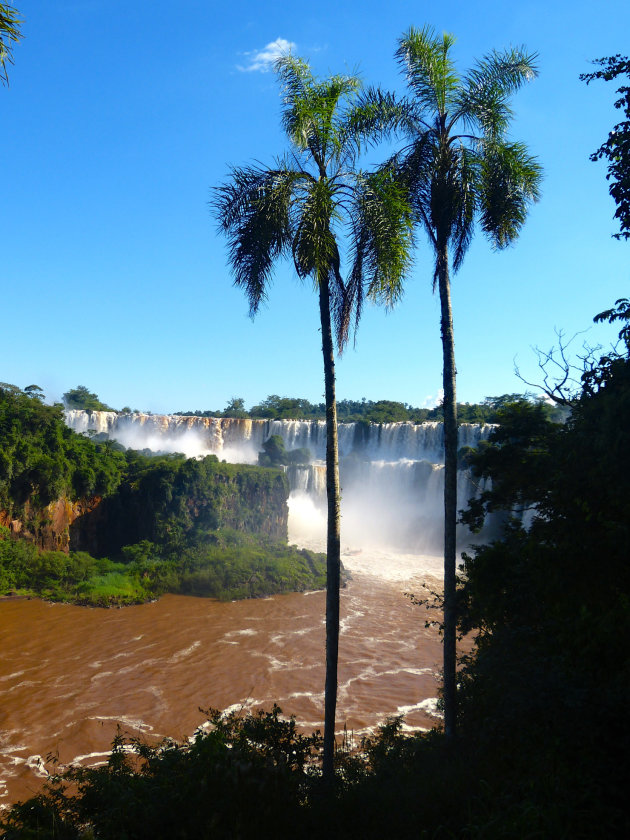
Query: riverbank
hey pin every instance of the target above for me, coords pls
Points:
(226, 566)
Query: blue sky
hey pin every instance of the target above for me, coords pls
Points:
(121, 116)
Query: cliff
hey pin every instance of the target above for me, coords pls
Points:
(48, 526)
(169, 501)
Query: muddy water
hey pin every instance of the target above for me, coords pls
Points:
(69, 675)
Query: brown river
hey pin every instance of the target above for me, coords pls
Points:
(69, 675)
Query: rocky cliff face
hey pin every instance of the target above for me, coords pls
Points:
(49, 527)
(194, 496)
(167, 506)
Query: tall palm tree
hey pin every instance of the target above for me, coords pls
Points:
(316, 208)
(460, 169)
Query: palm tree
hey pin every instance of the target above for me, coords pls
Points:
(314, 207)
(460, 169)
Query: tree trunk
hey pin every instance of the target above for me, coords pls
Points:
(450, 492)
(333, 546)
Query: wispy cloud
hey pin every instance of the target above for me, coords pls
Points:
(432, 402)
(262, 60)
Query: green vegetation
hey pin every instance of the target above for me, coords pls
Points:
(369, 411)
(165, 524)
(616, 148)
(81, 397)
(41, 459)
(176, 502)
(75, 577)
(10, 34)
(274, 454)
(227, 565)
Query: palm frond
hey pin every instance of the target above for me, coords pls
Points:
(313, 245)
(388, 218)
(10, 34)
(424, 58)
(467, 176)
(382, 251)
(376, 116)
(295, 77)
(413, 168)
(313, 203)
(310, 114)
(253, 209)
(510, 179)
(487, 87)
(350, 304)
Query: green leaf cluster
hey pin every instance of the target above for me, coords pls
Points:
(241, 776)
(10, 34)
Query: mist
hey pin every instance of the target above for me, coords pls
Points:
(391, 475)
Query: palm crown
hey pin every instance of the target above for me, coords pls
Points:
(458, 163)
(314, 205)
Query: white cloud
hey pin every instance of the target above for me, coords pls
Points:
(262, 60)
(433, 402)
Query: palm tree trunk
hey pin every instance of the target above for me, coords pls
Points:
(333, 546)
(450, 491)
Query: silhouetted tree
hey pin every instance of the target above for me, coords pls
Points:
(460, 169)
(297, 209)
(616, 149)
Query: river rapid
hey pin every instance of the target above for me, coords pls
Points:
(69, 676)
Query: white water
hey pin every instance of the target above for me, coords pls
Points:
(391, 473)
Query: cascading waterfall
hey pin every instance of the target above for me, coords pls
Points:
(391, 473)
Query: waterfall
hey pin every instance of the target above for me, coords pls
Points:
(391, 473)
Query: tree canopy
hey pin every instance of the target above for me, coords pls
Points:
(616, 148)
(81, 397)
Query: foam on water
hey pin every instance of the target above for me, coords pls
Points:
(182, 654)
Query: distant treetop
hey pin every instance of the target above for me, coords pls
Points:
(275, 407)
(80, 397)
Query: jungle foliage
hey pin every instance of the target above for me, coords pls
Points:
(165, 524)
(275, 454)
(41, 459)
(10, 34)
(225, 565)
